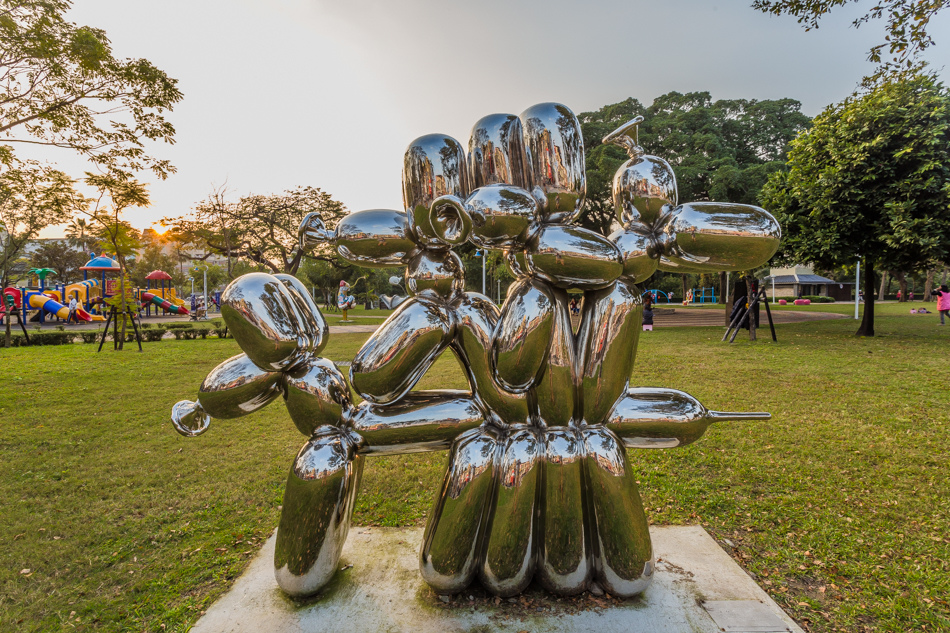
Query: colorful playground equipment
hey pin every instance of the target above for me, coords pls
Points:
(160, 295)
(655, 294)
(702, 295)
(99, 282)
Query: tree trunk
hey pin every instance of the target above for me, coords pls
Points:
(867, 322)
(885, 283)
(902, 282)
(929, 284)
(122, 303)
(724, 296)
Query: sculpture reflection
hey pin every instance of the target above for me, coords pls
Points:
(538, 483)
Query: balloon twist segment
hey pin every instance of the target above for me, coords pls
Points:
(538, 484)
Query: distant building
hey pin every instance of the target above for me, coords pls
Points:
(802, 281)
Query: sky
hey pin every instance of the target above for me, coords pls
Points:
(287, 93)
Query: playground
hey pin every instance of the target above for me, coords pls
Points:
(793, 511)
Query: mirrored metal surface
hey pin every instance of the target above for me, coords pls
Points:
(420, 421)
(623, 563)
(496, 152)
(401, 350)
(435, 275)
(452, 543)
(374, 238)
(607, 342)
(556, 389)
(573, 257)
(538, 482)
(476, 316)
(715, 236)
(318, 503)
(652, 417)
(316, 394)
(511, 552)
(522, 335)
(555, 148)
(433, 166)
(261, 316)
(564, 561)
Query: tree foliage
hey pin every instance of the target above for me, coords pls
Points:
(62, 258)
(907, 23)
(32, 197)
(870, 179)
(262, 229)
(61, 86)
(720, 150)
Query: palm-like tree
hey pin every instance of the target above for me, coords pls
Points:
(78, 232)
(42, 273)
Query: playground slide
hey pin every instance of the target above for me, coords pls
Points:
(56, 308)
(162, 303)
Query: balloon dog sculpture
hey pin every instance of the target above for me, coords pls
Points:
(538, 483)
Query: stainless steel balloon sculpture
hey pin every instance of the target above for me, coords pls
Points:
(538, 483)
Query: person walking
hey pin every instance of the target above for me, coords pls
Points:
(943, 302)
(72, 316)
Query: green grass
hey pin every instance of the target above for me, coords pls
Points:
(838, 506)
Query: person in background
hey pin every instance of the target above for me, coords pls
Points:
(943, 302)
(73, 305)
(648, 314)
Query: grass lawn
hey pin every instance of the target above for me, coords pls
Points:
(839, 506)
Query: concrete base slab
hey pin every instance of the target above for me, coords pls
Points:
(379, 589)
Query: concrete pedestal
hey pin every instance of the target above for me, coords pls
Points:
(697, 588)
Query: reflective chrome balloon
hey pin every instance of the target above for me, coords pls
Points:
(435, 275)
(645, 184)
(555, 149)
(714, 236)
(434, 165)
(401, 351)
(493, 216)
(318, 504)
(452, 544)
(374, 238)
(573, 257)
(496, 152)
(608, 337)
(260, 313)
(316, 394)
(419, 421)
(651, 417)
(522, 335)
(538, 484)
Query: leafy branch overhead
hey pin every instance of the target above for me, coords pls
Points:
(907, 24)
(261, 228)
(61, 86)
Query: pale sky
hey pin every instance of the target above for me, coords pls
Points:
(329, 93)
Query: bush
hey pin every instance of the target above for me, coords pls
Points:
(51, 338)
(90, 337)
(817, 299)
(178, 326)
(153, 336)
(221, 332)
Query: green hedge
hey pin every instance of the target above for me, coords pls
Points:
(817, 299)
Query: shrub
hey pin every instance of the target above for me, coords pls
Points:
(51, 338)
(153, 336)
(178, 326)
(221, 332)
(90, 337)
(817, 299)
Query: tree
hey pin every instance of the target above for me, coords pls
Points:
(262, 229)
(61, 86)
(62, 258)
(117, 192)
(720, 150)
(32, 197)
(153, 257)
(79, 233)
(907, 23)
(870, 179)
